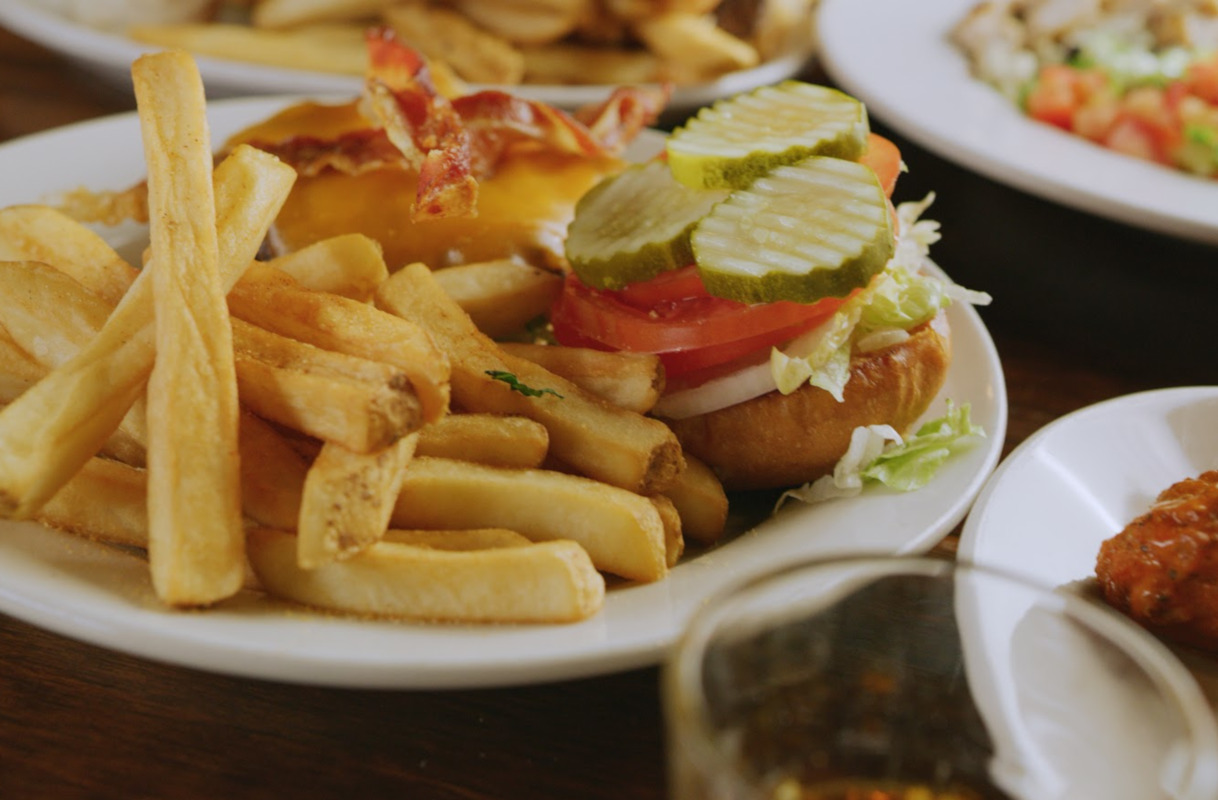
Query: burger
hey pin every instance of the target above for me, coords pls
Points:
(761, 259)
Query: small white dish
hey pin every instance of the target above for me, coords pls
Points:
(110, 54)
(1082, 478)
(103, 595)
(895, 56)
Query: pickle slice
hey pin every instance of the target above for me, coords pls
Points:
(818, 228)
(733, 142)
(634, 225)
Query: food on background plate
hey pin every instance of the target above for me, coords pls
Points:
(1162, 568)
(500, 42)
(1138, 77)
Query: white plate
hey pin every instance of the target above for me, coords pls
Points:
(894, 55)
(103, 596)
(110, 55)
(1082, 478)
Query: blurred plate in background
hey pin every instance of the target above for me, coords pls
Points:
(110, 54)
(895, 56)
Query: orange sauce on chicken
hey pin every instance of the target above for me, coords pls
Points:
(1162, 569)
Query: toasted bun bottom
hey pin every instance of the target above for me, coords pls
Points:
(778, 440)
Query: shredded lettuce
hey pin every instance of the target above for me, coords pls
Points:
(878, 454)
(899, 298)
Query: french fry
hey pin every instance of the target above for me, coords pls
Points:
(294, 13)
(492, 439)
(563, 63)
(108, 500)
(444, 35)
(621, 531)
(272, 474)
(500, 296)
(347, 500)
(674, 539)
(51, 316)
(472, 539)
(694, 47)
(105, 500)
(18, 372)
(47, 313)
(64, 419)
(700, 501)
(526, 21)
(196, 542)
(352, 265)
(333, 48)
(592, 437)
(545, 582)
(633, 381)
(350, 327)
(42, 233)
(361, 404)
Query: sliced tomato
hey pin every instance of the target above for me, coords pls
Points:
(1054, 98)
(688, 328)
(884, 159)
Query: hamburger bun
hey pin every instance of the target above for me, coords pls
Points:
(778, 440)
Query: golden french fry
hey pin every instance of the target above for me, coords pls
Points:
(47, 313)
(51, 317)
(674, 539)
(294, 13)
(694, 47)
(352, 265)
(361, 404)
(443, 35)
(575, 63)
(321, 48)
(633, 381)
(700, 501)
(347, 500)
(42, 233)
(494, 439)
(543, 582)
(272, 474)
(500, 296)
(472, 539)
(783, 26)
(591, 436)
(350, 327)
(526, 21)
(643, 9)
(63, 420)
(18, 371)
(196, 542)
(105, 500)
(621, 531)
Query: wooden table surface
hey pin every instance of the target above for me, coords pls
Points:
(81, 721)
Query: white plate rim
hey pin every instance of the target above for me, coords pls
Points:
(973, 537)
(112, 54)
(40, 570)
(893, 55)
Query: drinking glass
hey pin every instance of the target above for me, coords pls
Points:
(911, 678)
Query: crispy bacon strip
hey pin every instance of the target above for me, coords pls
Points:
(353, 153)
(618, 120)
(423, 125)
(453, 143)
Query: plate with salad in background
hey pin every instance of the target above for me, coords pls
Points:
(1112, 114)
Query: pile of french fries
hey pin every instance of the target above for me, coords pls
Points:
(508, 42)
(311, 425)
